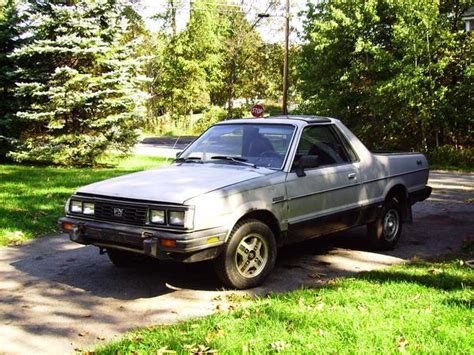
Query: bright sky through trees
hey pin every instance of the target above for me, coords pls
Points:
(271, 29)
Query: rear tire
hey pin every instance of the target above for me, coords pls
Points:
(384, 233)
(125, 259)
(248, 256)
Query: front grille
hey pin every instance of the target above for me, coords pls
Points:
(110, 211)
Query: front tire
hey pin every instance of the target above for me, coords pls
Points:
(384, 233)
(248, 256)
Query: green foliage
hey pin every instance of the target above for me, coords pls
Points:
(462, 158)
(218, 58)
(186, 66)
(79, 84)
(400, 71)
(44, 190)
(418, 308)
(211, 116)
(10, 31)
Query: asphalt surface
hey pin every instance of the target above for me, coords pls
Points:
(59, 297)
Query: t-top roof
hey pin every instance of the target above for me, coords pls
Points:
(281, 119)
(307, 118)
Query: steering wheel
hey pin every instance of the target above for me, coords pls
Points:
(270, 154)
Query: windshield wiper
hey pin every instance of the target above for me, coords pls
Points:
(234, 159)
(188, 160)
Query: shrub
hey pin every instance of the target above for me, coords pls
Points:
(213, 115)
(449, 155)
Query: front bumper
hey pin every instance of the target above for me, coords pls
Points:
(187, 246)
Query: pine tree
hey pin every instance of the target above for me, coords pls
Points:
(80, 83)
(10, 39)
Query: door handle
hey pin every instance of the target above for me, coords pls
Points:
(352, 176)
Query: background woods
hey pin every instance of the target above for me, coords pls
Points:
(79, 79)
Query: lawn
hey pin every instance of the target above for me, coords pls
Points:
(415, 308)
(33, 198)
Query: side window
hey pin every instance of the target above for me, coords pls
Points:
(322, 141)
(350, 151)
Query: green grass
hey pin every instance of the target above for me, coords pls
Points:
(32, 198)
(416, 308)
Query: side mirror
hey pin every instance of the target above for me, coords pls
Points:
(306, 162)
(178, 154)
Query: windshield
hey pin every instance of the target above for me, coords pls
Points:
(263, 145)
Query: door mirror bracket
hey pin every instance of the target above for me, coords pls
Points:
(306, 162)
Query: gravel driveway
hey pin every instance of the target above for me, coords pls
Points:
(57, 296)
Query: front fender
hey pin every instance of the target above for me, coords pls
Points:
(277, 211)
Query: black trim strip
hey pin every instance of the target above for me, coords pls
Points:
(81, 195)
(396, 175)
(332, 223)
(345, 187)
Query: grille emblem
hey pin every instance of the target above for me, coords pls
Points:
(118, 212)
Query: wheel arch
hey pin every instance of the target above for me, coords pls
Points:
(399, 192)
(264, 216)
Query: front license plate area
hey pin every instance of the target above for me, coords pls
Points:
(114, 236)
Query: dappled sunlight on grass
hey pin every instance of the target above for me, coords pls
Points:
(32, 198)
(402, 308)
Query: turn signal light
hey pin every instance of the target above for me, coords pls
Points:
(168, 243)
(212, 240)
(68, 226)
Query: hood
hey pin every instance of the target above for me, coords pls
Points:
(174, 184)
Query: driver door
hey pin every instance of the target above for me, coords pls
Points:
(326, 198)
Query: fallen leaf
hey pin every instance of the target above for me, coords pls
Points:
(316, 275)
(402, 342)
(435, 271)
(320, 332)
(280, 345)
(199, 349)
(83, 334)
(137, 338)
(100, 338)
(245, 314)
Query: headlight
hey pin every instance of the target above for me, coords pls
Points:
(176, 218)
(88, 208)
(157, 216)
(76, 206)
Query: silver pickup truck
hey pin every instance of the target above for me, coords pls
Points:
(246, 187)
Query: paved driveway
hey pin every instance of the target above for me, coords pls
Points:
(57, 296)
